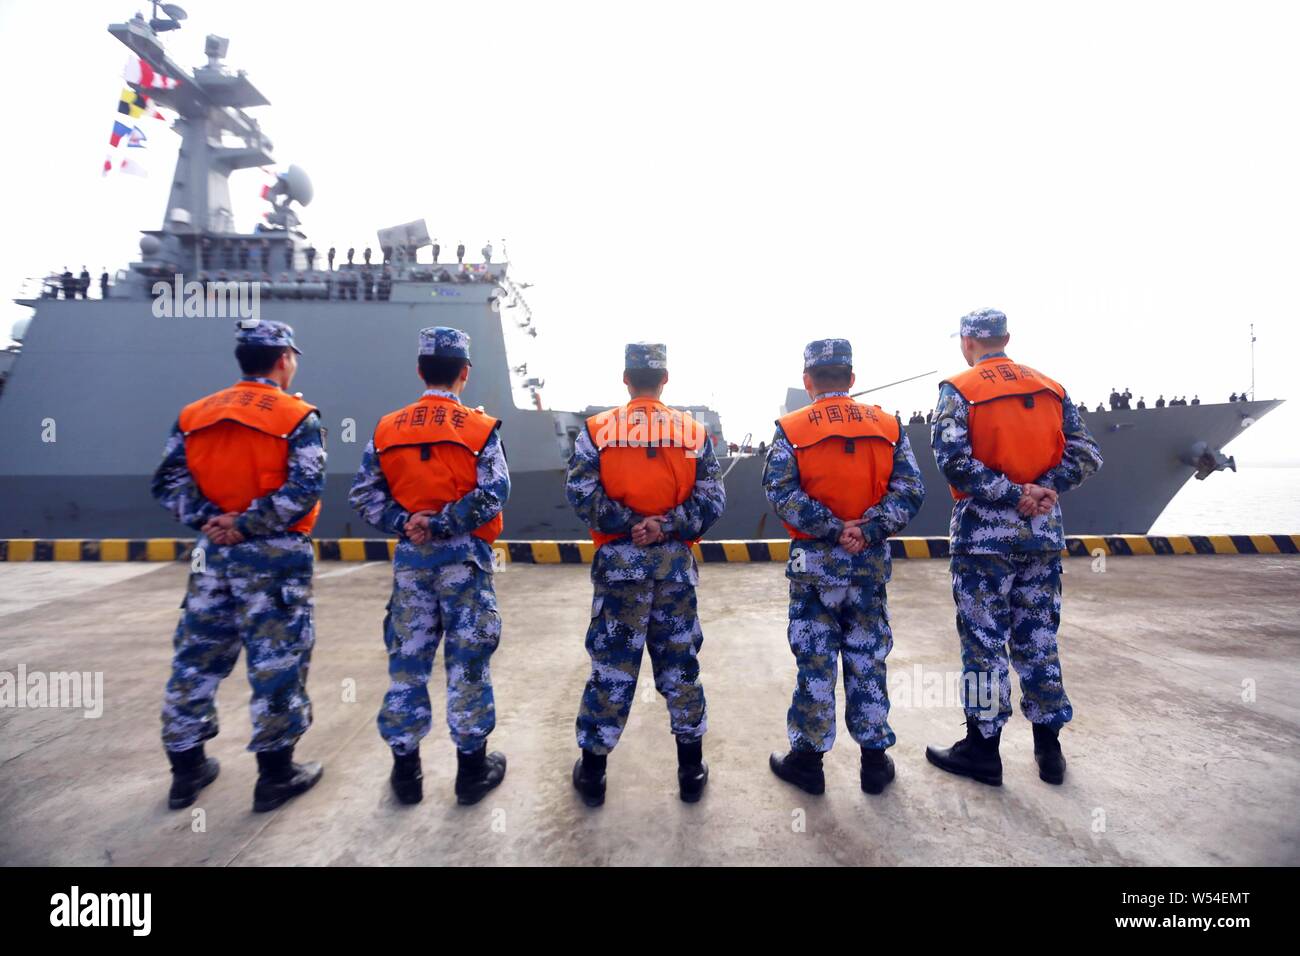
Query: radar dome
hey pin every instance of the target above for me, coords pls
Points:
(298, 184)
(150, 246)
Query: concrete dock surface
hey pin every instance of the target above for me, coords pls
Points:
(1184, 674)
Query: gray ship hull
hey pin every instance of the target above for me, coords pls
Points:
(98, 385)
(1143, 451)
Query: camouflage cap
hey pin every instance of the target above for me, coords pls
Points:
(444, 342)
(984, 324)
(827, 352)
(264, 332)
(645, 355)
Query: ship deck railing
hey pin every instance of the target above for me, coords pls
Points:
(336, 283)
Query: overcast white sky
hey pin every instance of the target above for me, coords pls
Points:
(735, 179)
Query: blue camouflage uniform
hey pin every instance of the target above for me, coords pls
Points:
(256, 594)
(1006, 569)
(441, 587)
(643, 596)
(837, 600)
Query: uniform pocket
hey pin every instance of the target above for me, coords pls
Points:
(295, 594)
(296, 608)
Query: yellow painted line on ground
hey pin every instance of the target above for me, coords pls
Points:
(549, 552)
(160, 549)
(1137, 543)
(735, 550)
(22, 549)
(1222, 544)
(1264, 544)
(113, 549)
(546, 552)
(352, 549)
(67, 549)
(915, 547)
(1092, 543)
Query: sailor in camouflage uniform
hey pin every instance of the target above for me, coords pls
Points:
(245, 468)
(435, 474)
(1009, 441)
(644, 479)
(842, 478)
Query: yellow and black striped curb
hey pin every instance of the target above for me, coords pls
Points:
(580, 552)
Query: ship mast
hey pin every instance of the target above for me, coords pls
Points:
(1252, 361)
(209, 103)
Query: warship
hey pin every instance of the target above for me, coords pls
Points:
(83, 434)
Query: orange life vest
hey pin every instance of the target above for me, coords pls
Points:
(845, 451)
(236, 444)
(428, 452)
(1015, 418)
(647, 457)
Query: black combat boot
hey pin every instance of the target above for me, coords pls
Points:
(279, 779)
(974, 756)
(692, 771)
(803, 768)
(191, 772)
(589, 778)
(407, 778)
(877, 770)
(477, 773)
(1047, 751)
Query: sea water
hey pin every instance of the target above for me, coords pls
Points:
(1256, 499)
